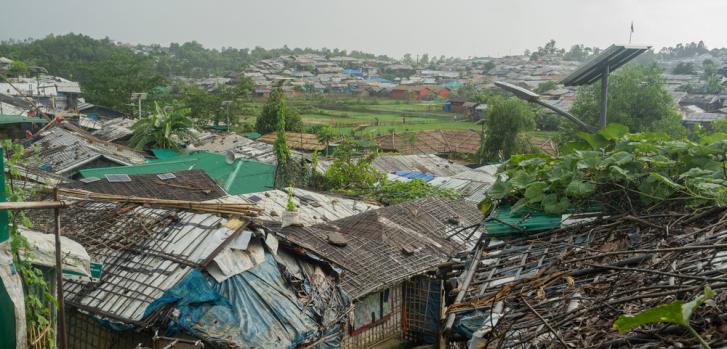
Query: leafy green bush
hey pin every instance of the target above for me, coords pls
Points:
(394, 192)
(618, 171)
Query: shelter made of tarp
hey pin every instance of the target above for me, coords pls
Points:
(253, 309)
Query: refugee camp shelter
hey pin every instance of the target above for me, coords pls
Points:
(565, 286)
(432, 142)
(297, 140)
(241, 177)
(390, 259)
(17, 126)
(426, 164)
(311, 207)
(115, 130)
(65, 149)
(193, 185)
(196, 274)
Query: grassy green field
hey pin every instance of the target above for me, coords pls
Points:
(371, 117)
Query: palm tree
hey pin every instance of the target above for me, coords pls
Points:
(325, 135)
(162, 130)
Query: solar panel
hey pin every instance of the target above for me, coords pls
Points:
(254, 198)
(117, 178)
(89, 179)
(165, 176)
(613, 57)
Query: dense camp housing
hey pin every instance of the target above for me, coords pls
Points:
(198, 245)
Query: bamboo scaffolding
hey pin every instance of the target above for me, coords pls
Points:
(242, 209)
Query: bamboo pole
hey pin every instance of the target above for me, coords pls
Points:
(62, 340)
(31, 205)
(245, 209)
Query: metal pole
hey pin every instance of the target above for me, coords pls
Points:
(62, 341)
(604, 97)
(139, 106)
(567, 115)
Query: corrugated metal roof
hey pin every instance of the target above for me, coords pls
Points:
(62, 149)
(245, 147)
(18, 119)
(241, 177)
(313, 208)
(385, 246)
(428, 163)
(597, 270)
(144, 252)
(472, 184)
(193, 185)
(114, 129)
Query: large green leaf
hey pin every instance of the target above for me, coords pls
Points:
(619, 158)
(485, 206)
(676, 312)
(573, 146)
(613, 132)
(588, 164)
(535, 192)
(663, 179)
(689, 308)
(552, 204)
(595, 141)
(668, 313)
(580, 188)
(521, 179)
(518, 206)
(534, 162)
(499, 190)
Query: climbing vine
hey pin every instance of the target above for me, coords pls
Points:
(39, 302)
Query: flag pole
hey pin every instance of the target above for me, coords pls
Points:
(631, 32)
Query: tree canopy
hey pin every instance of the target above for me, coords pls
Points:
(268, 120)
(637, 98)
(506, 119)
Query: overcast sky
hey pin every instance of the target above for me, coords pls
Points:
(460, 28)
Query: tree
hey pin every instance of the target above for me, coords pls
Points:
(268, 119)
(424, 60)
(325, 135)
(683, 68)
(19, 68)
(280, 146)
(710, 68)
(507, 118)
(637, 98)
(546, 86)
(162, 130)
(407, 59)
(489, 65)
(577, 53)
(244, 87)
(351, 173)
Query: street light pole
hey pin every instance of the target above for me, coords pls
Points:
(533, 97)
(604, 97)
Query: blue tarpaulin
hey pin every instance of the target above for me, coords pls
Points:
(253, 309)
(191, 297)
(414, 175)
(269, 314)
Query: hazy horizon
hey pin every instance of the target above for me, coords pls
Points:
(459, 28)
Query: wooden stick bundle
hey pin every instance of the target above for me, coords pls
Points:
(243, 209)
